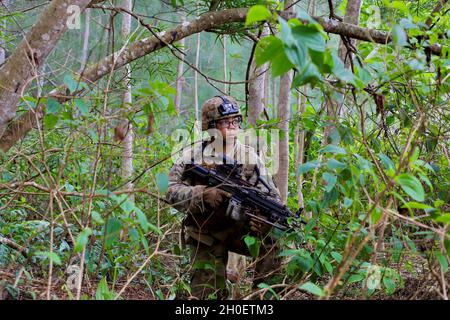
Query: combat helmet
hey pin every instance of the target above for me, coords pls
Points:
(218, 108)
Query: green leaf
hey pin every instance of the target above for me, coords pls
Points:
(70, 83)
(445, 218)
(253, 245)
(333, 149)
(97, 217)
(330, 180)
(257, 13)
(442, 261)
(162, 180)
(309, 74)
(337, 256)
(82, 239)
(355, 278)
(347, 202)
(103, 292)
(334, 164)
(267, 48)
(142, 218)
(50, 121)
(411, 185)
(309, 37)
(399, 36)
(416, 205)
(389, 284)
(82, 106)
(306, 167)
(53, 106)
(312, 288)
(113, 228)
(386, 161)
(50, 255)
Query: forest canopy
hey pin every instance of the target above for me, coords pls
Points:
(346, 101)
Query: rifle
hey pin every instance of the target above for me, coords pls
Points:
(245, 197)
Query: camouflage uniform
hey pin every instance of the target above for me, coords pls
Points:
(211, 234)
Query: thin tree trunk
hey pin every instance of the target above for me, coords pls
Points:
(256, 92)
(2, 42)
(86, 34)
(224, 63)
(274, 96)
(352, 13)
(197, 60)
(180, 71)
(299, 148)
(284, 114)
(127, 156)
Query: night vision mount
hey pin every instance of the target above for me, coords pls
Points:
(227, 108)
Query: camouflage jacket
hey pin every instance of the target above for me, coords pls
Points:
(186, 197)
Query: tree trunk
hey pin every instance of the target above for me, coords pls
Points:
(225, 63)
(256, 92)
(180, 70)
(299, 150)
(127, 156)
(197, 60)
(87, 31)
(352, 13)
(30, 55)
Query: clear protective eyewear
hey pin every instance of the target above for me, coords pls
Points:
(236, 122)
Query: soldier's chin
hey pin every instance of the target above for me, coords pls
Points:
(230, 136)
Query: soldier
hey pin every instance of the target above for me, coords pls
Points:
(210, 232)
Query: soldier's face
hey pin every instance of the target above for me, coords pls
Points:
(229, 128)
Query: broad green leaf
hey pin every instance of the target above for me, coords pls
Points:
(442, 261)
(162, 180)
(411, 185)
(347, 202)
(416, 205)
(306, 167)
(399, 36)
(53, 106)
(82, 106)
(257, 13)
(333, 149)
(330, 180)
(445, 218)
(82, 239)
(113, 228)
(386, 161)
(337, 256)
(335, 164)
(97, 217)
(253, 245)
(312, 288)
(51, 256)
(355, 278)
(70, 83)
(50, 121)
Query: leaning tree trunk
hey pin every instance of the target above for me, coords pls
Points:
(127, 155)
(30, 55)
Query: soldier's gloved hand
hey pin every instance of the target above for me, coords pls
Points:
(259, 227)
(214, 197)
